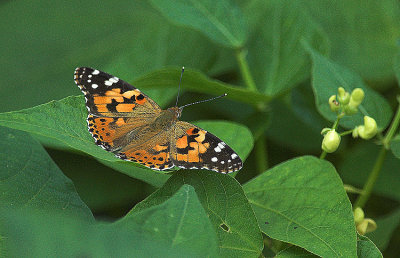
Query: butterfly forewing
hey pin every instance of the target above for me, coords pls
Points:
(107, 95)
(195, 148)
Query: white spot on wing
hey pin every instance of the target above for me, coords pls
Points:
(214, 159)
(221, 145)
(95, 72)
(94, 86)
(222, 162)
(114, 80)
(217, 149)
(234, 156)
(89, 76)
(108, 83)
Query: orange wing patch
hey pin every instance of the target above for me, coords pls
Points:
(157, 157)
(101, 131)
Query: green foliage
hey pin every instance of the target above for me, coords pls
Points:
(278, 61)
(221, 21)
(365, 248)
(311, 187)
(328, 76)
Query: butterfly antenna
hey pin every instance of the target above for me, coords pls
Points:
(179, 88)
(201, 101)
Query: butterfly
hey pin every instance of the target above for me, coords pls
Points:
(126, 122)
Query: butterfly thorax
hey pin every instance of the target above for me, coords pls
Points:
(166, 119)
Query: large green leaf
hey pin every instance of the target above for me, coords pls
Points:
(364, 36)
(226, 205)
(386, 227)
(222, 21)
(276, 57)
(31, 181)
(303, 202)
(177, 227)
(366, 248)
(395, 146)
(328, 76)
(64, 122)
(357, 165)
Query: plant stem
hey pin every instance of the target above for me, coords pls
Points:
(346, 132)
(393, 128)
(373, 176)
(323, 155)
(244, 69)
(261, 153)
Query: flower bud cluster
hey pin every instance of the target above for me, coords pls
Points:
(345, 103)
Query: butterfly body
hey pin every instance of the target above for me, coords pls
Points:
(128, 123)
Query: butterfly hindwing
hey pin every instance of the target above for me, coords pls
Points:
(107, 95)
(195, 148)
(151, 150)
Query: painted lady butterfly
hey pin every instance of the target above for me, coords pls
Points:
(128, 123)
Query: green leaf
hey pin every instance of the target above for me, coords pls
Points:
(395, 146)
(197, 82)
(359, 162)
(64, 122)
(225, 204)
(364, 37)
(386, 227)
(366, 248)
(177, 227)
(303, 202)
(276, 57)
(328, 76)
(221, 21)
(294, 251)
(30, 180)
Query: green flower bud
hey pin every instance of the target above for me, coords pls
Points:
(358, 215)
(350, 110)
(366, 131)
(343, 96)
(333, 104)
(366, 226)
(357, 96)
(331, 141)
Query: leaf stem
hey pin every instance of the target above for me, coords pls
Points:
(393, 127)
(261, 153)
(244, 69)
(373, 176)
